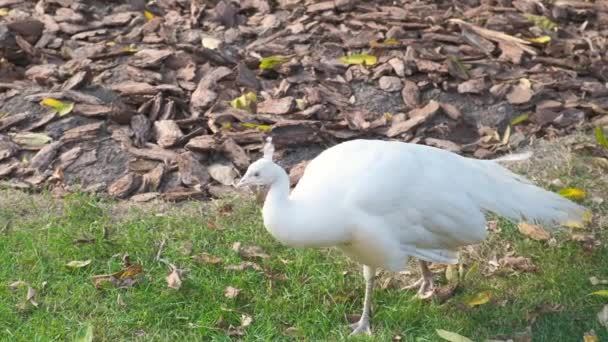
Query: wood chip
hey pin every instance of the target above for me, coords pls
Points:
(411, 94)
(236, 153)
(277, 106)
(125, 185)
(167, 133)
(191, 172)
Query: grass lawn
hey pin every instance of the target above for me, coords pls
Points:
(295, 294)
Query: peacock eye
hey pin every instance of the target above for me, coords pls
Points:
(256, 174)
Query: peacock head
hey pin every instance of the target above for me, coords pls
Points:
(263, 171)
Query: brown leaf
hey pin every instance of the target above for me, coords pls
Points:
(205, 258)
(231, 292)
(244, 265)
(533, 231)
(518, 263)
(250, 251)
(126, 277)
(173, 279)
(520, 94)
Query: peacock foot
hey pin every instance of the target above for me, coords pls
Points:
(361, 328)
(425, 285)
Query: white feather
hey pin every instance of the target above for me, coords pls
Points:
(384, 201)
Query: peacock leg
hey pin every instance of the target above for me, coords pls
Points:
(363, 327)
(426, 284)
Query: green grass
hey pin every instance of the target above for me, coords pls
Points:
(303, 289)
(312, 295)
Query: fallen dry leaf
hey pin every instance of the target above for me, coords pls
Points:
(174, 280)
(533, 231)
(590, 336)
(31, 293)
(249, 251)
(479, 299)
(126, 277)
(573, 193)
(452, 336)
(244, 265)
(205, 258)
(231, 292)
(602, 316)
(603, 293)
(518, 263)
(595, 281)
(78, 263)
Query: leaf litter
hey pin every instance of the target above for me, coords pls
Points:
(471, 62)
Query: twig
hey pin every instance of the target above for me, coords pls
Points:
(160, 250)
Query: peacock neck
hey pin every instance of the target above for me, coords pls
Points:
(299, 223)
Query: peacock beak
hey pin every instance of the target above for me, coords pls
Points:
(244, 181)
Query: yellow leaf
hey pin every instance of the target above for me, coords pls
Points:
(533, 231)
(590, 336)
(391, 42)
(479, 299)
(506, 136)
(388, 116)
(111, 43)
(540, 40)
(244, 101)
(359, 59)
(272, 62)
(301, 104)
(78, 263)
(149, 15)
(226, 126)
(3, 12)
(452, 336)
(129, 272)
(603, 293)
(62, 108)
(31, 139)
(542, 22)
(131, 48)
(264, 128)
(573, 193)
(519, 119)
(451, 274)
(600, 137)
(472, 271)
